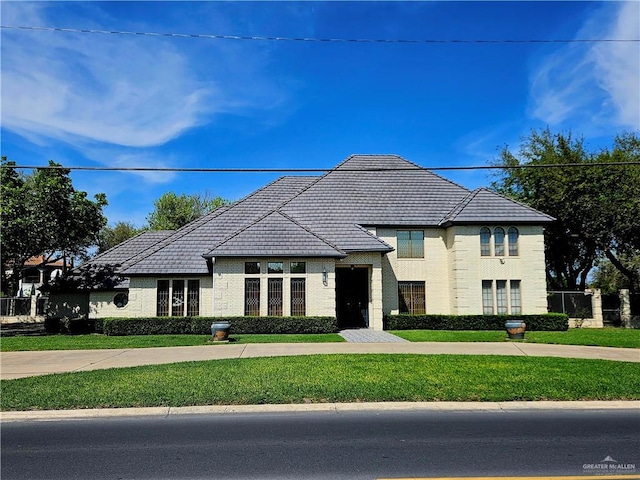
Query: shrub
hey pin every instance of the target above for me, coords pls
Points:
(548, 321)
(202, 325)
(69, 326)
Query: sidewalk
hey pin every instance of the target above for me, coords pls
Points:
(26, 364)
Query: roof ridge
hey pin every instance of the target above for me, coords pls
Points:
(295, 222)
(238, 232)
(373, 236)
(459, 207)
(129, 240)
(189, 227)
(257, 221)
(517, 202)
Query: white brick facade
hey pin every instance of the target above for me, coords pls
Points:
(451, 268)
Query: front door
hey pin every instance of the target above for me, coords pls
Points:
(352, 297)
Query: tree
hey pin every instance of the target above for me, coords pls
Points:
(43, 214)
(174, 211)
(596, 207)
(609, 279)
(109, 236)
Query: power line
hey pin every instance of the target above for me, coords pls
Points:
(315, 170)
(314, 39)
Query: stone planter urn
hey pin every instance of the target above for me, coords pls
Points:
(220, 331)
(515, 329)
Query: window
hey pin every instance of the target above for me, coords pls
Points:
(251, 267)
(120, 300)
(501, 296)
(516, 301)
(410, 243)
(178, 298)
(498, 242)
(298, 297)
(275, 297)
(513, 241)
(487, 297)
(252, 297)
(31, 275)
(298, 267)
(507, 297)
(193, 298)
(162, 300)
(411, 297)
(485, 242)
(275, 267)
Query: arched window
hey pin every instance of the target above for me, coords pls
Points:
(513, 241)
(498, 242)
(485, 242)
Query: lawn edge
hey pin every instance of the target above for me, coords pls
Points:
(500, 407)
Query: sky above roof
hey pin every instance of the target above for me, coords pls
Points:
(89, 99)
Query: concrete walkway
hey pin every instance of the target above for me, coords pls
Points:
(364, 335)
(26, 364)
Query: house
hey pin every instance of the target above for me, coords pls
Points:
(375, 235)
(35, 273)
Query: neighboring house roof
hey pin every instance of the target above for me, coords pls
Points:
(39, 261)
(323, 216)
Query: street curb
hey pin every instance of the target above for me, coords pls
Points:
(505, 407)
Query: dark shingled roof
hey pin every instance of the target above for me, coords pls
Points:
(323, 217)
(484, 206)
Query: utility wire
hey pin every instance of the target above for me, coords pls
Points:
(313, 39)
(317, 170)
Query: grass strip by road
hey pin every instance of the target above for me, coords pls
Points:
(602, 337)
(91, 342)
(328, 378)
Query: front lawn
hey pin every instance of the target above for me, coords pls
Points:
(602, 337)
(95, 341)
(329, 378)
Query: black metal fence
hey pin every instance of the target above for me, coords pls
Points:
(574, 304)
(13, 306)
(634, 300)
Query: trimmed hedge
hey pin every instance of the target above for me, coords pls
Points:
(544, 322)
(202, 325)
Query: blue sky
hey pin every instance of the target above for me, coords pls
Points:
(118, 100)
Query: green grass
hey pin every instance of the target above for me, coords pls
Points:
(603, 337)
(90, 342)
(329, 378)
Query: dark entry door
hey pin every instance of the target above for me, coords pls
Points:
(352, 297)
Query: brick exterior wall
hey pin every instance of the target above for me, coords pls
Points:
(452, 269)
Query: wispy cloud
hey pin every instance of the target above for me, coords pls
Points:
(118, 90)
(593, 88)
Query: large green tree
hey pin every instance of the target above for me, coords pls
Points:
(43, 214)
(596, 203)
(174, 211)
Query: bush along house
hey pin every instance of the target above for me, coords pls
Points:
(377, 235)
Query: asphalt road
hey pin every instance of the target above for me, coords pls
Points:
(347, 445)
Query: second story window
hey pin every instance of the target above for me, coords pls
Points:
(485, 242)
(513, 241)
(410, 243)
(498, 242)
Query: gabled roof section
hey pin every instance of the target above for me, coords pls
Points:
(485, 206)
(275, 235)
(182, 252)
